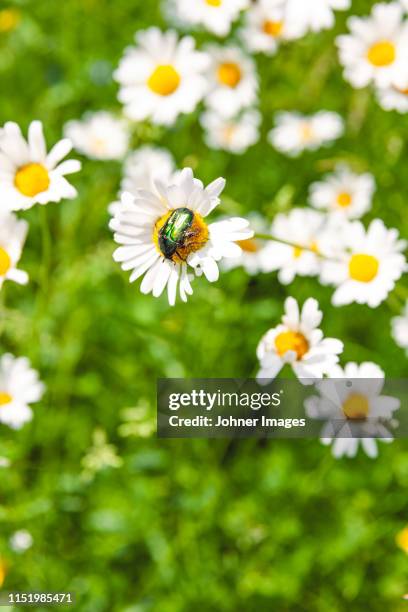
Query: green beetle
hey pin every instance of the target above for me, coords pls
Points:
(174, 231)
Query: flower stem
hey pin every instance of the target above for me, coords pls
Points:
(292, 244)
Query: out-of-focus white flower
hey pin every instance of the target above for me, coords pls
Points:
(393, 98)
(251, 248)
(295, 133)
(376, 50)
(13, 233)
(19, 387)
(162, 235)
(367, 265)
(315, 17)
(28, 175)
(234, 134)
(233, 82)
(161, 77)
(4, 462)
(266, 26)
(216, 16)
(303, 228)
(298, 342)
(355, 411)
(344, 192)
(21, 540)
(399, 326)
(99, 135)
(142, 168)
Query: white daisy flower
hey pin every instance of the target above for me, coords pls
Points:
(295, 133)
(161, 77)
(28, 175)
(367, 265)
(266, 25)
(5, 462)
(303, 228)
(162, 235)
(13, 233)
(298, 342)
(142, 168)
(344, 192)
(376, 49)
(318, 17)
(235, 134)
(233, 82)
(19, 387)
(399, 326)
(216, 16)
(99, 135)
(21, 540)
(251, 248)
(393, 98)
(355, 410)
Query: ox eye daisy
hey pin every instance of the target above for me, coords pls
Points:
(216, 16)
(376, 49)
(28, 174)
(162, 236)
(235, 134)
(99, 135)
(233, 82)
(295, 133)
(344, 192)
(13, 233)
(299, 342)
(399, 327)
(251, 248)
(368, 264)
(319, 17)
(304, 229)
(354, 410)
(266, 25)
(161, 77)
(394, 98)
(19, 387)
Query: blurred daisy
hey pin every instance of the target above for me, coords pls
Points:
(216, 16)
(393, 98)
(321, 17)
(298, 342)
(99, 135)
(162, 235)
(28, 175)
(251, 248)
(234, 134)
(161, 77)
(266, 25)
(4, 462)
(21, 540)
(142, 168)
(402, 541)
(295, 133)
(303, 228)
(344, 192)
(355, 410)
(399, 326)
(233, 82)
(369, 263)
(19, 387)
(13, 233)
(376, 50)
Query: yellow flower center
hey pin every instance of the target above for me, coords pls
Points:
(297, 251)
(248, 246)
(343, 199)
(5, 262)
(363, 268)
(382, 53)
(291, 341)
(5, 398)
(356, 407)
(272, 28)
(164, 80)
(229, 73)
(9, 19)
(402, 539)
(306, 132)
(32, 179)
(403, 91)
(191, 240)
(213, 2)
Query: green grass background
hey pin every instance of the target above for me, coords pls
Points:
(184, 525)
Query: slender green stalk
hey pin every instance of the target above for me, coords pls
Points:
(292, 244)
